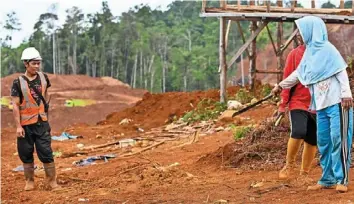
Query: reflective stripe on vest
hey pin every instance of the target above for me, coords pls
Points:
(29, 109)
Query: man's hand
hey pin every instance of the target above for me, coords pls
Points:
(276, 90)
(347, 103)
(20, 132)
(277, 115)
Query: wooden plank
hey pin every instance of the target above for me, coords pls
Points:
(248, 42)
(334, 11)
(287, 43)
(222, 61)
(290, 17)
(313, 4)
(271, 40)
(242, 36)
(341, 5)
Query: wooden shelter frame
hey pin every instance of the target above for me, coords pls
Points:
(259, 14)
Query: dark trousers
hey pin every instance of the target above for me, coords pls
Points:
(37, 135)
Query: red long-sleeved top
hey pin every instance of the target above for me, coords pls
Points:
(300, 97)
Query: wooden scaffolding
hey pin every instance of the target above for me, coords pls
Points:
(259, 14)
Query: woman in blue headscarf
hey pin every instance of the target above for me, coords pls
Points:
(323, 70)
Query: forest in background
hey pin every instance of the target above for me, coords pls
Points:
(171, 50)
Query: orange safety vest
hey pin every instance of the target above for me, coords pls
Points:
(29, 109)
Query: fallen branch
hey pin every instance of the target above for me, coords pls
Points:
(271, 189)
(72, 154)
(131, 169)
(143, 150)
(77, 179)
(100, 146)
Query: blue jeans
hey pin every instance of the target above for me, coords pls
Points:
(334, 141)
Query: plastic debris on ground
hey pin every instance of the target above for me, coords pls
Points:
(91, 160)
(126, 143)
(65, 136)
(20, 168)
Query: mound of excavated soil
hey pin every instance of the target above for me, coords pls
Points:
(110, 95)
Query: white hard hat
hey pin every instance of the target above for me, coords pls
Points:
(30, 53)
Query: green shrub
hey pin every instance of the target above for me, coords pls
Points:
(206, 109)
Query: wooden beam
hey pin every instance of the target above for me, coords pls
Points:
(248, 42)
(259, 71)
(223, 4)
(271, 40)
(335, 11)
(253, 52)
(313, 5)
(222, 61)
(242, 36)
(341, 5)
(287, 43)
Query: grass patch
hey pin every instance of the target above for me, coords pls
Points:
(206, 109)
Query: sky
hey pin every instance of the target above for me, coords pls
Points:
(28, 11)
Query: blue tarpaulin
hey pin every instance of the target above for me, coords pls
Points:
(91, 160)
(65, 136)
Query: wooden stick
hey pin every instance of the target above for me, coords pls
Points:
(100, 146)
(271, 40)
(248, 42)
(268, 71)
(143, 150)
(287, 43)
(242, 36)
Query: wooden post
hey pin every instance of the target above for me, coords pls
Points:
(293, 5)
(253, 57)
(279, 43)
(296, 43)
(313, 5)
(204, 2)
(222, 61)
(341, 4)
(268, 6)
(280, 3)
(239, 4)
(352, 7)
(226, 38)
(223, 4)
